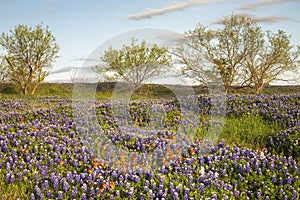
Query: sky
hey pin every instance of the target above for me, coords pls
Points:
(80, 26)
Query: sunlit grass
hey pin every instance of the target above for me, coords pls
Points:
(247, 130)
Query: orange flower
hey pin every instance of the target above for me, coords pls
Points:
(103, 164)
(112, 184)
(96, 164)
(62, 162)
(90, 170)
(137, 122)
(104, 185)
(193, 151)
(134, 158)
(22, 119)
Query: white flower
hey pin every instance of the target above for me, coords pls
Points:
(216, 174)
(202, 170)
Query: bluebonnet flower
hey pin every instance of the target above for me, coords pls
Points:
(83, 197)
(38, 192)
(45, 185)
(20, 176)
(74, 192)
(32, 197)
(49, 194)
(175, 196)
(274, 178)
(281, 191)
(201, 188)
(7, 177)
(236, 192)
(271, 141)
(294, 194)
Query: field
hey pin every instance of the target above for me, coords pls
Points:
(255, 156)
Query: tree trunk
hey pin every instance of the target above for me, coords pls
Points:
(34, 89)
(227, 89)
(25, 91)
(259, 88)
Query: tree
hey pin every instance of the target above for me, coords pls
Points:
(239, 51)
(29, 52)
(134, 63)
(73, 76)
(270, 58)
(3, 73)
(218, 51)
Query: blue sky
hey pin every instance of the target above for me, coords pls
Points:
(81, 26)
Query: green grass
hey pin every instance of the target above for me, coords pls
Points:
(105, 89)
(13, 191)
(248, 131)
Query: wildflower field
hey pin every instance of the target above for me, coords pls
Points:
(256, 155)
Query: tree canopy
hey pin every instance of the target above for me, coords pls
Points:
(240, 51)
(134, 63)
(29, 52)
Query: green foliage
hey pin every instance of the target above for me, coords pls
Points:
(241, 52)
(269, 58)
(247, 130)
(55, 89)
(134, 63)
(29, 51)
(8, 88)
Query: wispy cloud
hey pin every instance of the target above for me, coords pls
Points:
(84, 59)
(169, 38)
(171, 8)
(263, 3)
(70, 69)
(270, 19)
(63, 70)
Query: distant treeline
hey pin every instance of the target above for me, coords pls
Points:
(66, 89)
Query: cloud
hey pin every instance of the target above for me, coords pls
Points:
(83, 59)
(63, 70)
(69, 69)
(171, 8)
(263, 3)
(270, 19)
(169, 38)
(262, 20)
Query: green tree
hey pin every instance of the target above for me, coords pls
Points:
(134, 63)
(270, 58)
(222, 51)
(29, 52)
(3, 75)
(239, 51)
